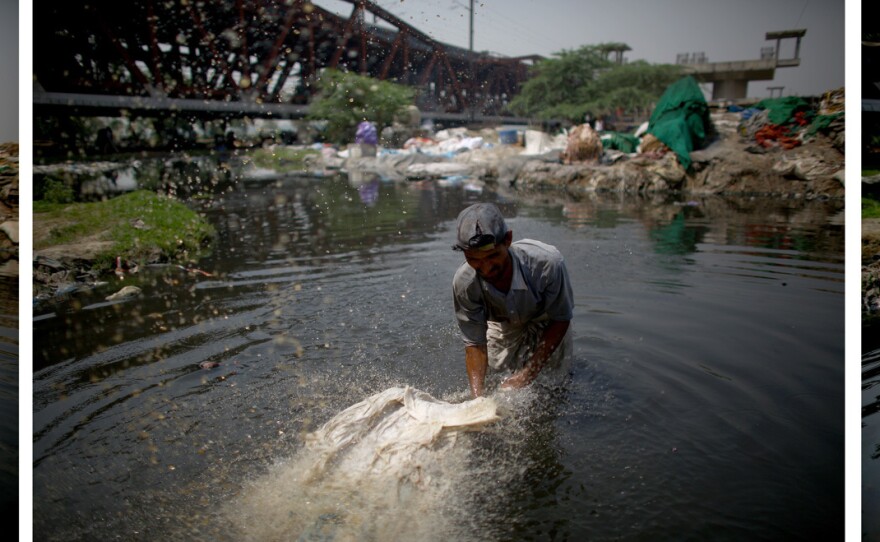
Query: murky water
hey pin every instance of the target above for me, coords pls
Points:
(706, 400)
(870, 471)
(9, 396)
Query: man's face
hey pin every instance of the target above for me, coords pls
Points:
(491, 263)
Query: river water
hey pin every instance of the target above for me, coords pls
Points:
(705, 402)
(9, 396)
(870, 455)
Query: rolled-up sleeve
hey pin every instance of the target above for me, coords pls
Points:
(470, 311)
(558, 297)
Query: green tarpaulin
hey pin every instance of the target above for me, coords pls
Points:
(681, 119)
(782, 110)
(822, 122)
(622, 142)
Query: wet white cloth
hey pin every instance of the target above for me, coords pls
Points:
(385, 468)
(383, 432)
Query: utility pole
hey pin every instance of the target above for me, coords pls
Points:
(471, 75)
(472, 26)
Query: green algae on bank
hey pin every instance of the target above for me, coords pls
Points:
(140, 226)
(284, 159)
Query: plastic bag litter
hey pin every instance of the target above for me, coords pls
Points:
(366, 134)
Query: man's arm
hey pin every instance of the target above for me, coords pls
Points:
(550, 340)
(477, 359)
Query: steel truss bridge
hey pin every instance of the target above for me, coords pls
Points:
(247, 58)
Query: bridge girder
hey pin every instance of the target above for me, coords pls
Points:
(254, 51)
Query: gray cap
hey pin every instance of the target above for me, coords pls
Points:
(480, 226)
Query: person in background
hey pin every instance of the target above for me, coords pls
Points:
(513, 303)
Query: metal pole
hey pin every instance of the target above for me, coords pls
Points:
(471, 74)
(472, 26)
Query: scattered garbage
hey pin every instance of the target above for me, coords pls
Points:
(366, 134)
(366, 140)
(584, 145)
(788, 122)
(126, 292)
(508, 137)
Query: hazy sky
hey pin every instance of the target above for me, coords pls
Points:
(9, 65)
(655, 30)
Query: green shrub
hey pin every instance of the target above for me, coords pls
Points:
(55, 191)
(346, 99)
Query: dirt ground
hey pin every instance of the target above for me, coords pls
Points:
(83, 249)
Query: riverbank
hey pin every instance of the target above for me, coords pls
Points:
(9, 233)
(77, 244)
(870, 255)
(735, 162)
(870, 224)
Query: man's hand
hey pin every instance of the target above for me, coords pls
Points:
(550, 340)
(519, 379)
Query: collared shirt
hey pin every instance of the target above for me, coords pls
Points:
(539, 287)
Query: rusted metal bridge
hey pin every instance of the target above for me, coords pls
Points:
(246, 57)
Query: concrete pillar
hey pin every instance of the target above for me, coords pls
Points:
(730, 89)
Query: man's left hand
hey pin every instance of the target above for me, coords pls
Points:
(519, 379)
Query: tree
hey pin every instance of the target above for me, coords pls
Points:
(633, 87)
(345, 99)
(584, 81)
(560, 86)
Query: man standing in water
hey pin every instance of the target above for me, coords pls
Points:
(513, 302)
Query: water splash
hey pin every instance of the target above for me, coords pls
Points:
(385, 468)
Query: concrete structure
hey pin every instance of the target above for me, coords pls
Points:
(730, 80)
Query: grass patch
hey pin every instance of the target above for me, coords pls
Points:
(870, 208)
(142, 225)
(282, 159)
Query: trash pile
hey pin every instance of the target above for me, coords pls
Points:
(454, 155)
(686, 145)
(680, 124)
(583, 145)
(789, 122)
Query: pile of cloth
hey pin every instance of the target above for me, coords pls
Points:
(789, 121)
